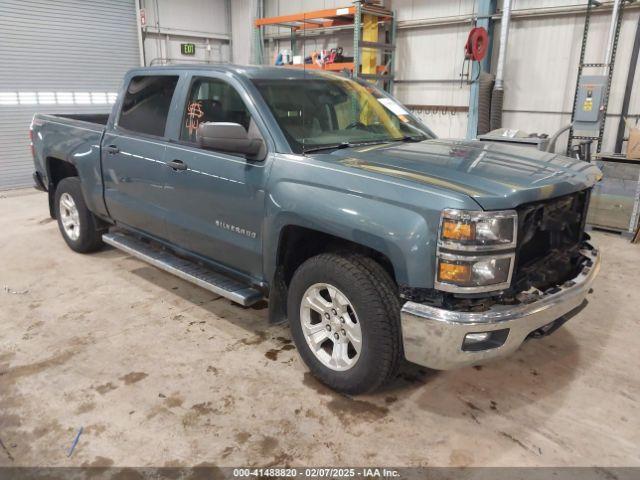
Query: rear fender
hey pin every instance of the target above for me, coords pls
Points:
(78, 147)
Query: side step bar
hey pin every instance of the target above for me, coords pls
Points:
(191, 272)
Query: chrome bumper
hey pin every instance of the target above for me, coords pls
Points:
(433, 337)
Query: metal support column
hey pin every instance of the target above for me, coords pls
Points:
(486, 8)
(393, 35)
(140, 34)
(357, 33)
(258, 39)
(628, 89)
(227, 6)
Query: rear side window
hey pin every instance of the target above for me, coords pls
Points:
(146, 104)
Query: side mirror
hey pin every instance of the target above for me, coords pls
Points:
(228, 137)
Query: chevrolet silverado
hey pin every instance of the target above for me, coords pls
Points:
(374, 239)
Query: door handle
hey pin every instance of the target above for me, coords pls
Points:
(112, 149)
(177, 165)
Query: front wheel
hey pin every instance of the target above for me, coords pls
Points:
(79, 227)
(345, 321)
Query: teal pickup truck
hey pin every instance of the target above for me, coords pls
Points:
(375, 240)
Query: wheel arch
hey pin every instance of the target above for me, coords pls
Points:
(298, 243)
(57, 169)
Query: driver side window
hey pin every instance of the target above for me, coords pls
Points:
(212, 100)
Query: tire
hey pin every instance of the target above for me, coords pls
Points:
(82, 232)
(373, 309)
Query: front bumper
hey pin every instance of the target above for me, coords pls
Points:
(434, 337)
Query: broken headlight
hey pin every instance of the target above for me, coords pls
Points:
(471, 255)
(463, 273)
(478, 230)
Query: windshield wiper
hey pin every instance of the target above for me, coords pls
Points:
(328, 147)
(411, 138)
(338, 146)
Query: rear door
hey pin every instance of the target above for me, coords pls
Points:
(217, 198)
(132, 154)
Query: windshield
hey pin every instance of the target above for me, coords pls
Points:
(316, 113)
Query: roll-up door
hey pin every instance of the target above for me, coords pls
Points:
(58, 56)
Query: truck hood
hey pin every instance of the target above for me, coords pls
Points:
(497, 176)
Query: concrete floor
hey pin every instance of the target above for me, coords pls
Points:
(161, 373)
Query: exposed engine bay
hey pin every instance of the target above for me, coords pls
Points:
(550, 238)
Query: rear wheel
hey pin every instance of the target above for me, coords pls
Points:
(344, 319)
(79, 227)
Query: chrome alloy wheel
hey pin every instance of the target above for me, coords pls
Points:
(330, 326)
(69, 217)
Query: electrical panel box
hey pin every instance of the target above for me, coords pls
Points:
(589, 106)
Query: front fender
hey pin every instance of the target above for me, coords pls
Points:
(406, 236)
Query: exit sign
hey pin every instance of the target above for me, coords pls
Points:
(188, 48)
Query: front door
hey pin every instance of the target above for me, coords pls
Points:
(132, 155)
(217, 199)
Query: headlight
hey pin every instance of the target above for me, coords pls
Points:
(471, 274)
(478, 231)
(471, 244)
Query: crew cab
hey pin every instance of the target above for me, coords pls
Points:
(374, 239)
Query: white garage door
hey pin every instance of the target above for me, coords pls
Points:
(58, 56)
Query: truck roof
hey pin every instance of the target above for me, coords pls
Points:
(250, 71)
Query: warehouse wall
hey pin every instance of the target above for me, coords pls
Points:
(170, 23)
(541, 67)
(542, 64)
(433, 53)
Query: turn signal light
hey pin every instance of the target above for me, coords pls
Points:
(454, 230)
(454, 273)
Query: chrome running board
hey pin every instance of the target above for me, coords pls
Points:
(185, 269)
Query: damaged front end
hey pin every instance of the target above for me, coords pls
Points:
(552, 272)
(549, 252)
(550, 238)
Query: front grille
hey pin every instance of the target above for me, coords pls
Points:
(550, 235)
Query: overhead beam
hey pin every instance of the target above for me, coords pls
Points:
(305, 16)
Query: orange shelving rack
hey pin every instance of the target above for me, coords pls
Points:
(372, 58)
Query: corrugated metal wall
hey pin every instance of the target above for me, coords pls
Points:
(434, 53)
(541, 64)
(58, 56)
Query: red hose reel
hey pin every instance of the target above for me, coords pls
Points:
(477, 44)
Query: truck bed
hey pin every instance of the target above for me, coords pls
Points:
(70, 141)
(97, 118)
(92, 121)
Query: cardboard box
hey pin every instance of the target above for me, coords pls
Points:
(633, 145)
